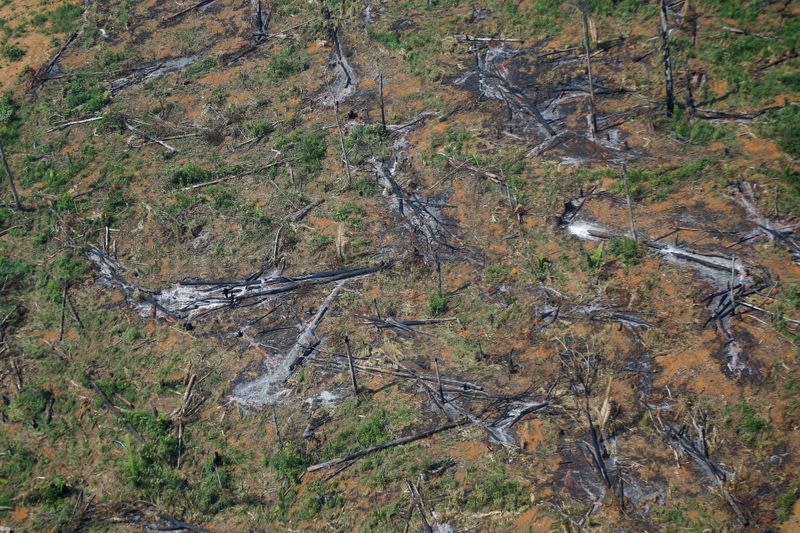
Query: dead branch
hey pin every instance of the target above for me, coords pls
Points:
(350, 365)
(238, 174)
(114, 409)
(41, 76)
(458, 163)
(149, 137)
(300, 214)
(403, 325)
(198, 5)
(587, 48)
(416, 500)
(173, 524)
(73, 123)
(472, 38)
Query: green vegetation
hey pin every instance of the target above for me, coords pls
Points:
(659, 183)
(437, 304)
(787, 500)
(190, 174)
(309, 149)
(65, 18)
(594, 260)
(12, 52)
(364, 141)
(627, 250)
(783, 126)
(697, 131)
(288, 62)
(64, 270)
(494, 490)
(84, 93)
(692, 517)
(497, 273)
(9, 120)
(290, 461)
(751, 426)
(364, 433)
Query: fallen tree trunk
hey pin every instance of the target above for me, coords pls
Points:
(397, 442)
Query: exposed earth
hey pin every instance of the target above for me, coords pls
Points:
(399, 266)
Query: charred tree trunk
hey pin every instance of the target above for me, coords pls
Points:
(670, 98)
(588, 49)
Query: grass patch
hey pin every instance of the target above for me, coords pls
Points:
(290, 461)
(308, 148)
(65, 18)
(149, 466)
(786, 502)
(64, 270)
(497, 273)
(286, 63)
(497, 492)
(366, 141)
(783, 126)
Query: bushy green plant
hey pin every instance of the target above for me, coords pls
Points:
(85, 93)
(751, 426)
(12, 52)
(149, 466)
(65, 269)
(190, 174)
(627, 250)
(290, 460)
(9, 120)
(364, 433)
(437, 304)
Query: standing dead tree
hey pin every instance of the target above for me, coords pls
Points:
(260, 35)
(584, 9)
(579, 366)
(345, 159)
(10, 177)
(670, 97)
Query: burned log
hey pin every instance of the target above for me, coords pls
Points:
(255, 395)
(154, 70)
(199, 5)
(423, 218)
(731, 277)
(785, 234)
(345, 80)
(191, 298)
